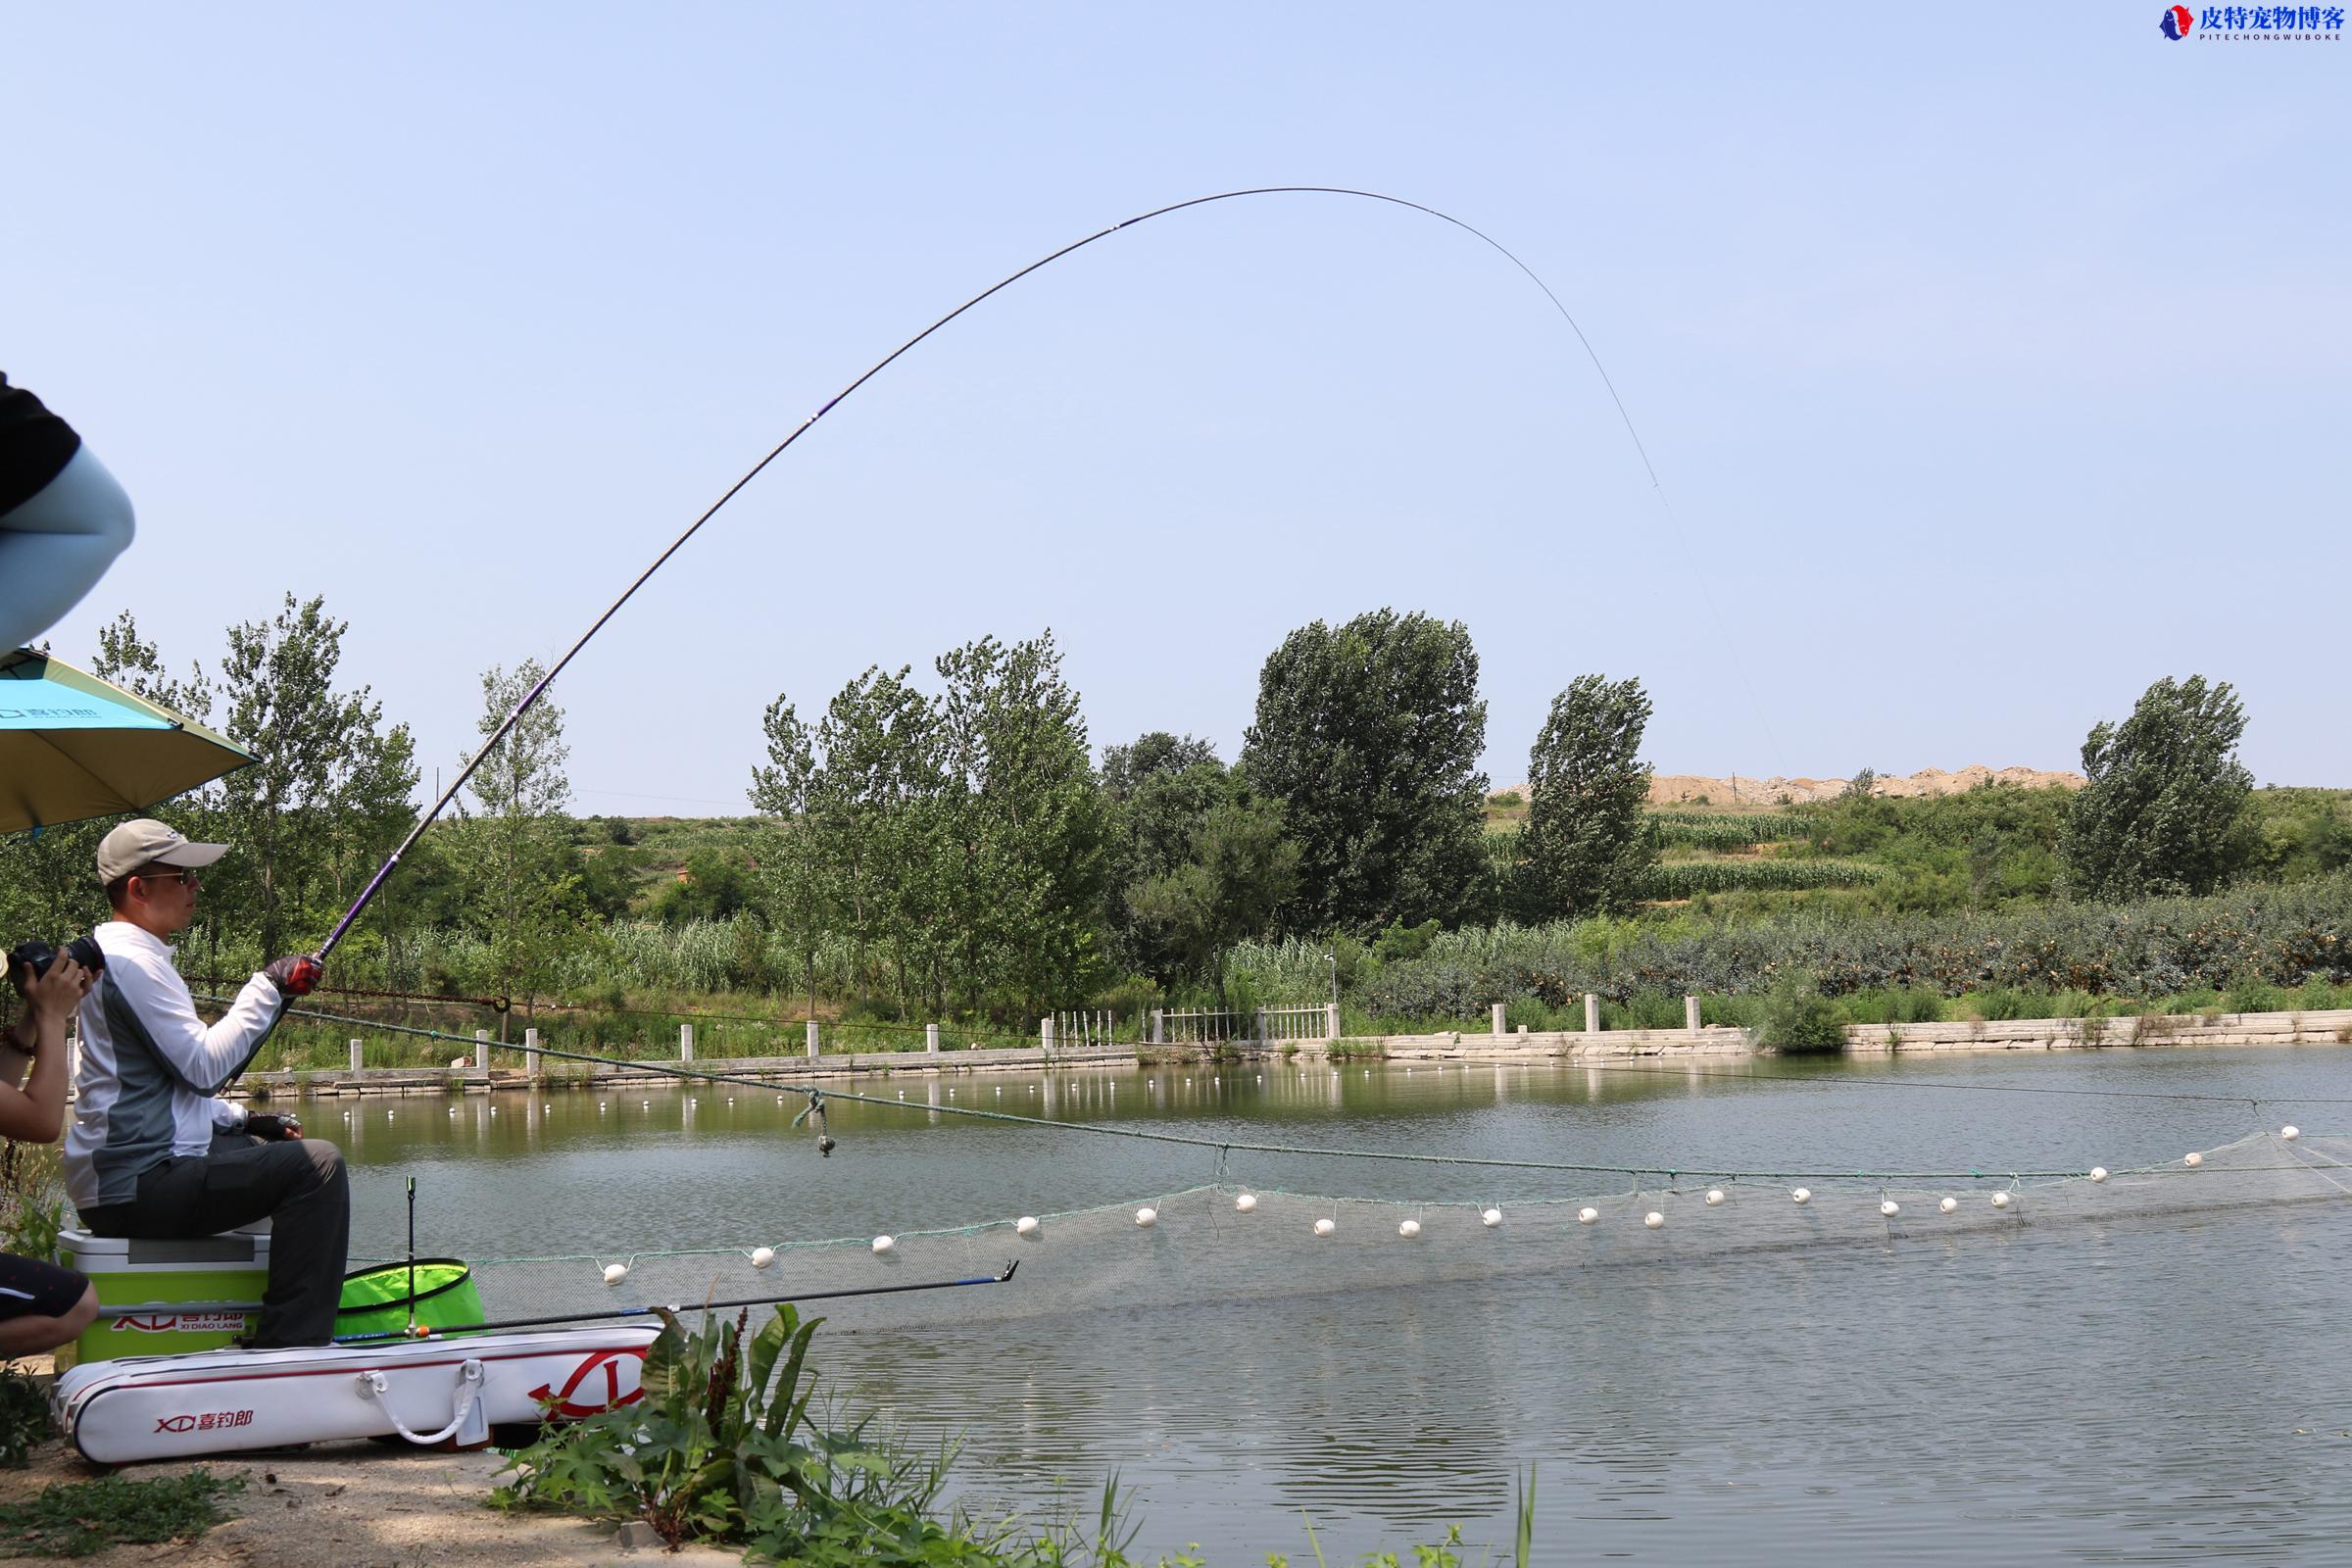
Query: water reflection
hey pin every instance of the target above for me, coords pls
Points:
(2109, 1393)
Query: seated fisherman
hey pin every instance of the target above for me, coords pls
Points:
(151, 1154)
(41, 1306)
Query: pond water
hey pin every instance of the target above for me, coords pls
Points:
(2140, 1389)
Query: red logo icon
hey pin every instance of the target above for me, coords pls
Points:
(622, 1369)
(176, 1423)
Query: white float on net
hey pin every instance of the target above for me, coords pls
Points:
(2098, 1173)
(1246, 1201)
(1146, 1216)
(1714, 1195)
(1949, 1205)
(2000, 1199)
(1408, 1229)
(1489, 1217)
(615, 1273)
(762, 1256)
(2192, 1159)
(2291, 1134)
(1324, 1227)
(1653, 1219)
(1891, 1208)
(1803, 1194)
(1587, 1215)
(1026, 1225)
(884, 1246)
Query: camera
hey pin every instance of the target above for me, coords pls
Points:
(37, 956)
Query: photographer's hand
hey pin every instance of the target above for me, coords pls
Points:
(56, 994)
(38, 1113)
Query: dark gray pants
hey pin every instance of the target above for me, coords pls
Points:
(298, 1185)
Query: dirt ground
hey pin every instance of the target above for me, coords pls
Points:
(359, 1505)
(1729, 794)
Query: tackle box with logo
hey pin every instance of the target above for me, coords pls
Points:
(164, 1297)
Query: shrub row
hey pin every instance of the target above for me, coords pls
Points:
(1684, 879)
(2279, 936)
(1724, 830)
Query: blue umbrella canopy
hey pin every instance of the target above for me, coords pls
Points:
(73, 746)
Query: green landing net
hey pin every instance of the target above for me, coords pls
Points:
(1228, 1241)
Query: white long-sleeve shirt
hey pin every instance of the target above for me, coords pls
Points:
(151, 1069)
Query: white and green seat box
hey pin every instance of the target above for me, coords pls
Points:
(187, 1288)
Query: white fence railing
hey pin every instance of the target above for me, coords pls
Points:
(1092, 1027)
(1208, 1026)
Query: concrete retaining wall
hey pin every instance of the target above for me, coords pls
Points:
(2022, 1033)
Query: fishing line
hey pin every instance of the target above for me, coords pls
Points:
(529, 699)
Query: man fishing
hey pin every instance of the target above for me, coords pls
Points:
(152, 1154)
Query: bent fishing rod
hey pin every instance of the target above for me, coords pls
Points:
(531, 698)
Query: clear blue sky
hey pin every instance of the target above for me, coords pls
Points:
(1994, 362)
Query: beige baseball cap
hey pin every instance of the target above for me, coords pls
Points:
(147, 841)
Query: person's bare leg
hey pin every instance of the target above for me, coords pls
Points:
(30, 1335)
(55, 547)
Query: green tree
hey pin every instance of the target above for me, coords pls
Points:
(1022, 835)
(716, 885)
(1369, 735)
(327, 790)
(1196, 860)
(2166, 810)
(796, 888)
(514, 847)
(1157, 794)
(1584, 847)
(1239, 870)
(1127, 767)
(868, 798)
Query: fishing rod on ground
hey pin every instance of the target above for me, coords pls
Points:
(415, 1331)
(531, 698)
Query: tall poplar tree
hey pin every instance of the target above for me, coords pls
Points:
(2166, 810)
(1585, 848)
(1369, 735)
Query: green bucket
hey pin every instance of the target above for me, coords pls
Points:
(375, 1301)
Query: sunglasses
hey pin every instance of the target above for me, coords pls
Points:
(189, 877)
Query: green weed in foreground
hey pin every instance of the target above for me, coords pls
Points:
(23, 1417)
(74, 1519)
(723, 1448)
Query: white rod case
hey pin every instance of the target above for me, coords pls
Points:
(433, 1390)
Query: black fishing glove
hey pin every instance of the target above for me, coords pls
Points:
(272, 1128)
(295, 976)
